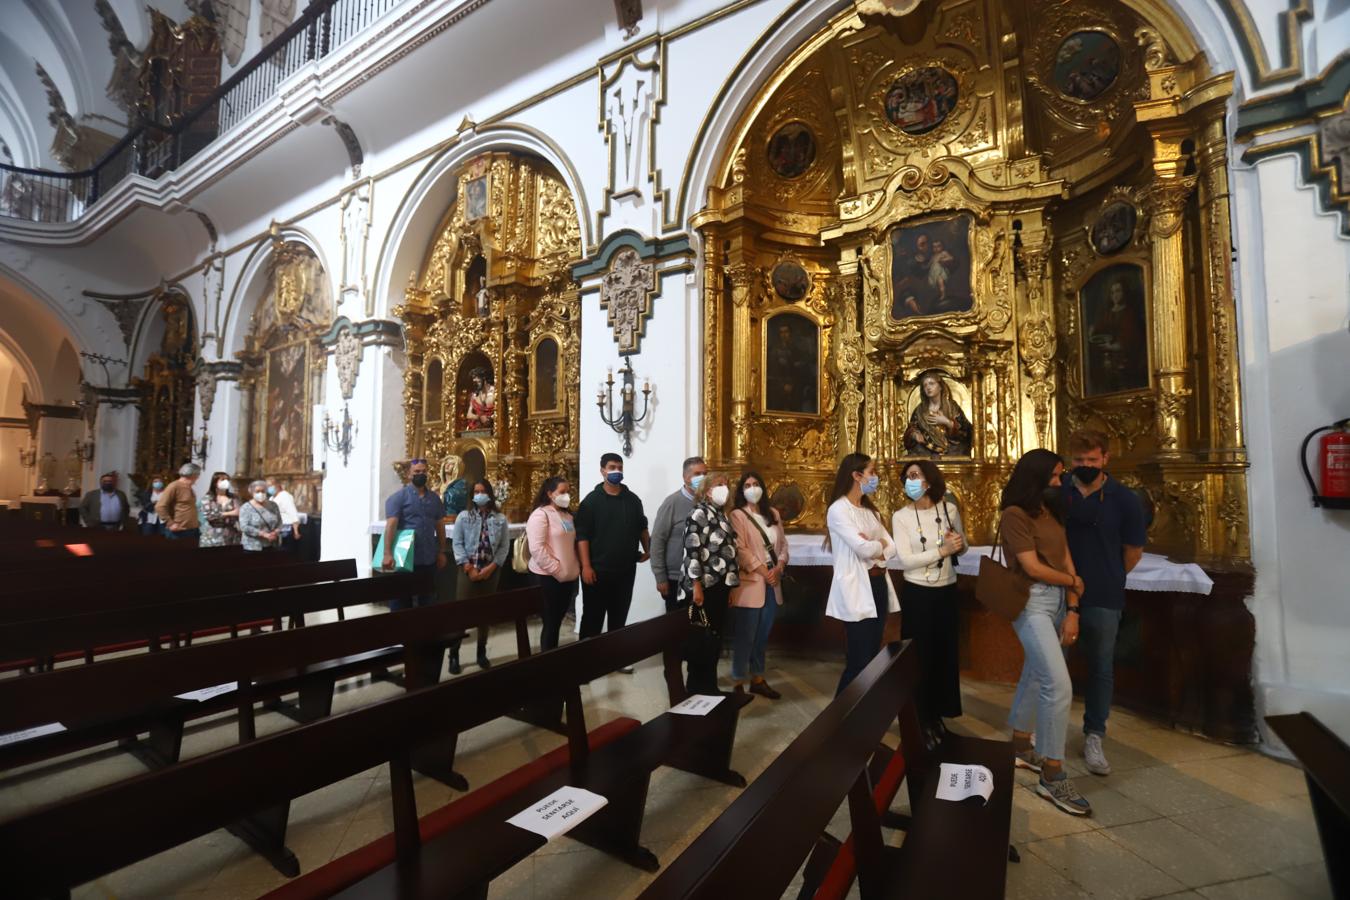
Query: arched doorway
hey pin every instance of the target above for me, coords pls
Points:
(963, 233)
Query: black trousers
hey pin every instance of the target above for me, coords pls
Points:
(558, 597)
(704, 647)
(932, 621)
(610, 597)
(862, 639)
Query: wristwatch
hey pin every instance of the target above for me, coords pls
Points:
(1074, 610)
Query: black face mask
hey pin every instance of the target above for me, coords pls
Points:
(1086, 474)
(419, 480)
(108, 488)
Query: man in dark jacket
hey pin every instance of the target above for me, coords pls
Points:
(107, 507)
(612, 539)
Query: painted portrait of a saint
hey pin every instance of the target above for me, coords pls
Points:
(286, 431)
(791, 150)
(919, 101)
(791, 365)
(930, 268)
(937, 426)
(1086, 65)
(546, 375)
(1115, 332)
(475, 198)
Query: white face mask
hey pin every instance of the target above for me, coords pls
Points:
(719, 494)
(562, 501)
(223, 485)
(260, 496)
(754, 493)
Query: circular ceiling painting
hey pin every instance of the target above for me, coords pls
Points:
(921, 100)
(791, 150)
(1086, 65)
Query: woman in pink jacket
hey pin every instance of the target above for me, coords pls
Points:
(553, 554)
(762, 553)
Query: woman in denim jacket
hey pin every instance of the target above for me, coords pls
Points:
(481, 548)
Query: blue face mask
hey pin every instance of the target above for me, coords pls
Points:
(481, 499)
(271, 490)
(914, 488)
(695, 482)
(614, 477)
(869, 485)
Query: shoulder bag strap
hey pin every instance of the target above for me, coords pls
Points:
(768, 545)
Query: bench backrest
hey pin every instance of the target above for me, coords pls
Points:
(131, 683)
(150, 588)
(74, 573)
(757, 845)
(116, 825)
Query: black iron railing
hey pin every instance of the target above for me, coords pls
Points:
(151, 150)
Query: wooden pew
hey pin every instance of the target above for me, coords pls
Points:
(164, 808)
(757, 846)
(1326, 765)
(76, 571)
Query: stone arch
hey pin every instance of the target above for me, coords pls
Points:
(252, 282)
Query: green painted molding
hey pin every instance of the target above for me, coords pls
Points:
(1300, 104)
(647, 248)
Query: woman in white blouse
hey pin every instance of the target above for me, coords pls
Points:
(928, 535)
(861, 595)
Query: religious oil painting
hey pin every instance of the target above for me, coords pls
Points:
(930, 268)
(286, 404)
(790, 281)
(938, 426)
(475, 198)
(921, 100)
(1114, 228)
(791, 364)
(1086, 65)
(477, 390)
(1112, 307)
(546, 375)
(791, 150)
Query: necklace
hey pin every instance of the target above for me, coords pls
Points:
(928, 574)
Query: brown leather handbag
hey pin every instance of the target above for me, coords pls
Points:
(998, 588)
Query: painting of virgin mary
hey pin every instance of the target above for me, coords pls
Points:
(938, 426)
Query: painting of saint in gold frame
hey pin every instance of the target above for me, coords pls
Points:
(931, 267)
(1113, 307)
(791, 364)
(286, 419)
(938, 426)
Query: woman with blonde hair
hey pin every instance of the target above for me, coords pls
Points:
(707, 576)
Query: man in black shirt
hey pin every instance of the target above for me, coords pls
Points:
(612, 539)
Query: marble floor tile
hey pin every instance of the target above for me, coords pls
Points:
(1264, 887)
(1186, 856)
(1252, 836)
(1281, 776)
(1108, 870)
(1168, 792)
(1034, 818)
(1310, 878)
(1035, 879)
(1168, 746)
(1109, 806)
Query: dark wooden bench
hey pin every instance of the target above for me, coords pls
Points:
(74, 573)
(1326, 765)
(161, 809)
(757, 846)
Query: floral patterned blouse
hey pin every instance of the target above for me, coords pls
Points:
(709, 551)
(217, 531)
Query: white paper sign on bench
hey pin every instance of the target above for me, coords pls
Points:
(559, 812)
(696, 705)
(28, 734)
(208, 693)
(957, 782)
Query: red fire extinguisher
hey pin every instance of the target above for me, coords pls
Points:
(1334, 457)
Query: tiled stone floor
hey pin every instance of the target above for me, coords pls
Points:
(1179, 817)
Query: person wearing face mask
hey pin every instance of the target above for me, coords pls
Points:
(612, 539)
(290, 516)
(148, 520)
(552, 537)
(708, 574)
(861, 594)
(414, 507)
(481, 548)
(219, 514)
(107, 508)
(1032, 530)
(668, 528)
(928, 536)
(1104, 521)
(762, 555)
(259, 519)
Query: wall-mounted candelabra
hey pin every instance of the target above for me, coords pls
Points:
(84, 451)
(28, 457)
(627, 418)
(200, 445)
(340, 437)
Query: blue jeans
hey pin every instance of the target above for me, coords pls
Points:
(862, 639)
(1044, 691)
(752, 628)
(1097, 630)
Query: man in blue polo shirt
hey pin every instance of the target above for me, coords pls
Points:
(415, 507)
(1106, 530)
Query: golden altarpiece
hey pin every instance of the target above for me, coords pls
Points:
(493, 333)
(167, 387)
(964, 232)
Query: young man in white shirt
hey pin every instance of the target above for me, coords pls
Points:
(290, 516)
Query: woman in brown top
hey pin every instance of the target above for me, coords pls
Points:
(1034, 544)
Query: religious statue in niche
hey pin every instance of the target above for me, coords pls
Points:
(930, 268)
(937, 426)
(286, 404)
(790, 281)
(1086, 65)
(791, 150)
(456, 496)
(481, 406)
(791, 365)
(475, 198)
(1115, 336)
(919, 101)
(481, 301)
(1114, 228)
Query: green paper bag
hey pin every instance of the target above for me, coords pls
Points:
(403, 552)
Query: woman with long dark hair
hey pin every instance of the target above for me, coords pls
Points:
(762, 554)
(552, 540)
(861, 595)
(1034, 544)
(928, 535)
(219, 513)
(480, 551)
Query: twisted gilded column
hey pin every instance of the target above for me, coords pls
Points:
(712, 313)
(1165, 201)
(742, 361)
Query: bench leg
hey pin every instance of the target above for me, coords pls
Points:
(710, 757)
(161, 747)
(818, 864)
(546, 714)
(316, 699)
(617, 828)
(436, 759)
(265, 833)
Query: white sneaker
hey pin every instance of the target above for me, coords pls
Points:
(1094, 757)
